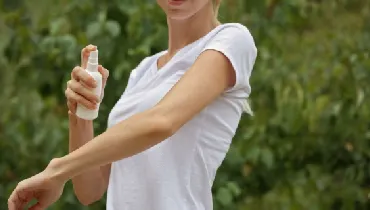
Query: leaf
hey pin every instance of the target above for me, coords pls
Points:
(58, 26)
(94, 29)
(267, 157)
(224, 196)
(5, 37)
(113, 28)
(234, 188)
(309, 90)
(253, 154)
(360, 97)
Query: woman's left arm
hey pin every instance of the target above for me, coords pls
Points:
(206, 80)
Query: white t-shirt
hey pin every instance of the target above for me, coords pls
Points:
(178, 173)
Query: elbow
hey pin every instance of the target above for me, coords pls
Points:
(163, 125)
(87, 199)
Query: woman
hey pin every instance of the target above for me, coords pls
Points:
(171, 128)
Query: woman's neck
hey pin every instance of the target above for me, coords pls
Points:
(184, 32)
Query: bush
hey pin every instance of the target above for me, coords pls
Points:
(307, 147)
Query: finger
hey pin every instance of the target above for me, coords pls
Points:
(11, 205)
(72, 106)
(70, 114)
(85, 52)
(80, 74)
(76, 98)
(17, 201)
(105, 74)
(73, 96)
(13, 201)
(24, 197)
(77, 87)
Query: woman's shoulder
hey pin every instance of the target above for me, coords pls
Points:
(234, 26)
(234, 30)
(232, 35)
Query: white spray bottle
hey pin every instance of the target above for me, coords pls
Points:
(92, 69)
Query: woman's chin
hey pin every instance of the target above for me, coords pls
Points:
(179, 16)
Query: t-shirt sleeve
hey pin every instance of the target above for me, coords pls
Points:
(237, 44)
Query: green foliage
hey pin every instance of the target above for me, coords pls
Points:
(307, 147)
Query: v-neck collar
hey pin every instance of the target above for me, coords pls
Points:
(179, 52)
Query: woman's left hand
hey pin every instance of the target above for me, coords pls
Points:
(42, 187)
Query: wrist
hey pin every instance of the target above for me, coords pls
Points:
(57, 170)
(76, 121)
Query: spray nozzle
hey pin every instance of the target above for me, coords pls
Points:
(94, 54)
(93, 58)
(92, 63)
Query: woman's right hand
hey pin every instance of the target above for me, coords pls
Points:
(80, 87)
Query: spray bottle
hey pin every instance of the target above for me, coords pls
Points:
(92, 70)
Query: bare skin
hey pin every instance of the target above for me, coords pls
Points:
(88, 163)
(91, 185)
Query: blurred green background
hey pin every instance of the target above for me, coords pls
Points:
(306, 148)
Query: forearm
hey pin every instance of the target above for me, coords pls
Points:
(123, 140)
(80, 132)
(90, 185)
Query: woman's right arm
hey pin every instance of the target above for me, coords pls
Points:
(91, 185)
